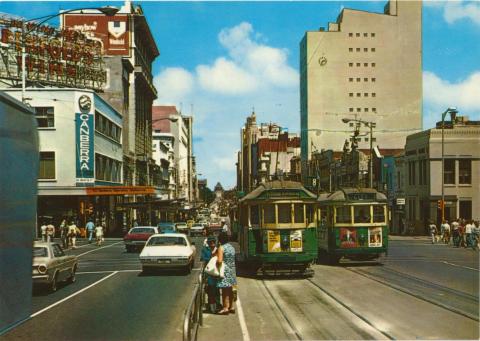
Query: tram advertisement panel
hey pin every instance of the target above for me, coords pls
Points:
(348, 237)
(296, 241)
(274, 241)
(375, 237)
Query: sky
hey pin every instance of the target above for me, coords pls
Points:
(220, 60)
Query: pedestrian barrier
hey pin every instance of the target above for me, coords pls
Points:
(193, 317)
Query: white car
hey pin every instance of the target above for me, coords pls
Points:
(172, 250)
(198, 229)
(181, 227)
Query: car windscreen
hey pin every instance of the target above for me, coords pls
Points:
(40, 252)
(142, 230)
(167, 241)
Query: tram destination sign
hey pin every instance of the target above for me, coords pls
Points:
(53, 56)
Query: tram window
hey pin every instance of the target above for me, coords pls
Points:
(378, 214)
(299, 213)
(269, 214)
(254, 217)
(310, 214)
(284, 213)
(343, 214)
(362, 214)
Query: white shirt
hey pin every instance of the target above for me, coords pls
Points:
(468, 228)
(446, 227)
(99, 231)
(455, 225)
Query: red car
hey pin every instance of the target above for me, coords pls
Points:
(136, 238)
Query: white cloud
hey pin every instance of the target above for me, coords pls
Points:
(173, 84)
(225, 77)
(225, 163)
(457, 10)
(440, 94)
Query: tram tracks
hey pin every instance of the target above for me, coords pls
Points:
(454, 301)
(308, 318)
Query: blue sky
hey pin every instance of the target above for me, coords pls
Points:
(205, 45)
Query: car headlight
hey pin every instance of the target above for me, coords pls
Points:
(42, 269)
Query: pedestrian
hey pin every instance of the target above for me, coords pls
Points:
(226, 255)
(461, 232)
(475, 235)
(50, 232)
(468, 233)
(99, 234)
(64, 233)
(433, 231)
(90, 228)
(135, 223)
(208, 250)
(446, 232)
(43, 231)
(455, 233)
(72, 234)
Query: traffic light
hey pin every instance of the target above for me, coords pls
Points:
(440, 204)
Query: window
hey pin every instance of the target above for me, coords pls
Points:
(366, 139)
(361, 214)
(107, 127)
(365, 79)
(365, 49)
(359, 109)
(372, 49)
(359, 64)
(374, 79)
(269, 214)
(57, 251)
(365, 94)
(374, 94)
(350, 79)
(365, 64)
(373, 64)
(412, 205)
(350, 34)
(254, 216)
(372, 35)
(422, 170)
(350, 124)
(374, 109)
(358, 49)
(374, 139)
(359, 79)
(47, 165)
(365, 34)
(365, 109)
(465, 208)
(45, 117)
(465, 172)
(350, 64)
(378, 214)
(411, 173)
(350, 109)
(107, 169)
(116, 24)
(299, 214)
(449, 171)
(359, 94)
(350, 94)
(358, 34)
(284, 213)
(343, 214)
(350, 49)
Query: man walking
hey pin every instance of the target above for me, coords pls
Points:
(90, 228)
(50, 232)
(43, 230)
(433, 231)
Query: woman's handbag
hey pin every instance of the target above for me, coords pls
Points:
(213, 270)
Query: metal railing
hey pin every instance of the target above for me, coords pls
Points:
(193, 317)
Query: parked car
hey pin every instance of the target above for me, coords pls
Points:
(198, 229)
(166, 227)
(51, 265)
(181, 227)
(172, 250)
(136, 238)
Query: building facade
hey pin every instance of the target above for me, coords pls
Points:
(364, 66)
(81, 156)
(422, 173)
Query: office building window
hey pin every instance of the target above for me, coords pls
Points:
(374, 64)
(449, 171)
(374, 139)
(350, 49)
(350, 94)
(359, 64)
(372, 35)
(374, 79)
(365, 109)
(350, 64)
(350, 79)
(365, 64)
(412, 209)
(359, 109)
(411, 173)
(365, 34)
(365, 49)
(366, 139)
(358, 49)
(351, 124)
(465, 172)
(350, 34)
(359, 79)
(465, 209)
(372, 49)
(107, 169)
(365, 94)
(107, 127)
(358, 34)
(358, 94)
(365, 79)
(350, 109)
(45, 117)
(47, 165)
(374, 94)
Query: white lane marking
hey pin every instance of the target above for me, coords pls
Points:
(106, 271)
(103, 247)
(461, 266)
(241, 318)
(72, 295)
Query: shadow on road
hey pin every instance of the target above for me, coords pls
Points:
(163, 272)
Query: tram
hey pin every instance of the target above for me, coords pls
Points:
(352, 223)
(276, 229)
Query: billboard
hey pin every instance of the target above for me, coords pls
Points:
(53, 57)
(84, 133)
(112, 31)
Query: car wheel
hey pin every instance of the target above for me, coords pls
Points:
(72, 277)
(146, 270)
(54, 284)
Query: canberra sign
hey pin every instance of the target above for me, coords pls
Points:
(53, 57)
(84, 134)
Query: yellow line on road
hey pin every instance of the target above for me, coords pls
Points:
(72, 295)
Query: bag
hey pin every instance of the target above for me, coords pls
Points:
(213, 270)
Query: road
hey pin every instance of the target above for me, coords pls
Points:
(420, 291)
(111, 300)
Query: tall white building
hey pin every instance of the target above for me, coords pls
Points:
(365, 66)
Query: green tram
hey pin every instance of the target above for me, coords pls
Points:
(277, 229)
(352, 223)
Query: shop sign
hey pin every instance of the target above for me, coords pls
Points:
(400, 201)
(84, 133)
(55, 57)
(120, 190)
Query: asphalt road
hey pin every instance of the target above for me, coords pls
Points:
(420, 291)
(111, 300)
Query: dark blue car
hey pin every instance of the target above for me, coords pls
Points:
(166, 227)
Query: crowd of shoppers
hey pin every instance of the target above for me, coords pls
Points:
(460, 233)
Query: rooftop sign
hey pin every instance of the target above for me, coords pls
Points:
(53, 57)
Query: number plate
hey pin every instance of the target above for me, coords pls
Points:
(164, 261)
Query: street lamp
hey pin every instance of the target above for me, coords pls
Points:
(107, 10)
(370, 125)
(453, 113)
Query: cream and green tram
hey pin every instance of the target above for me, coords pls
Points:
(352, 223)
(277, 228)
